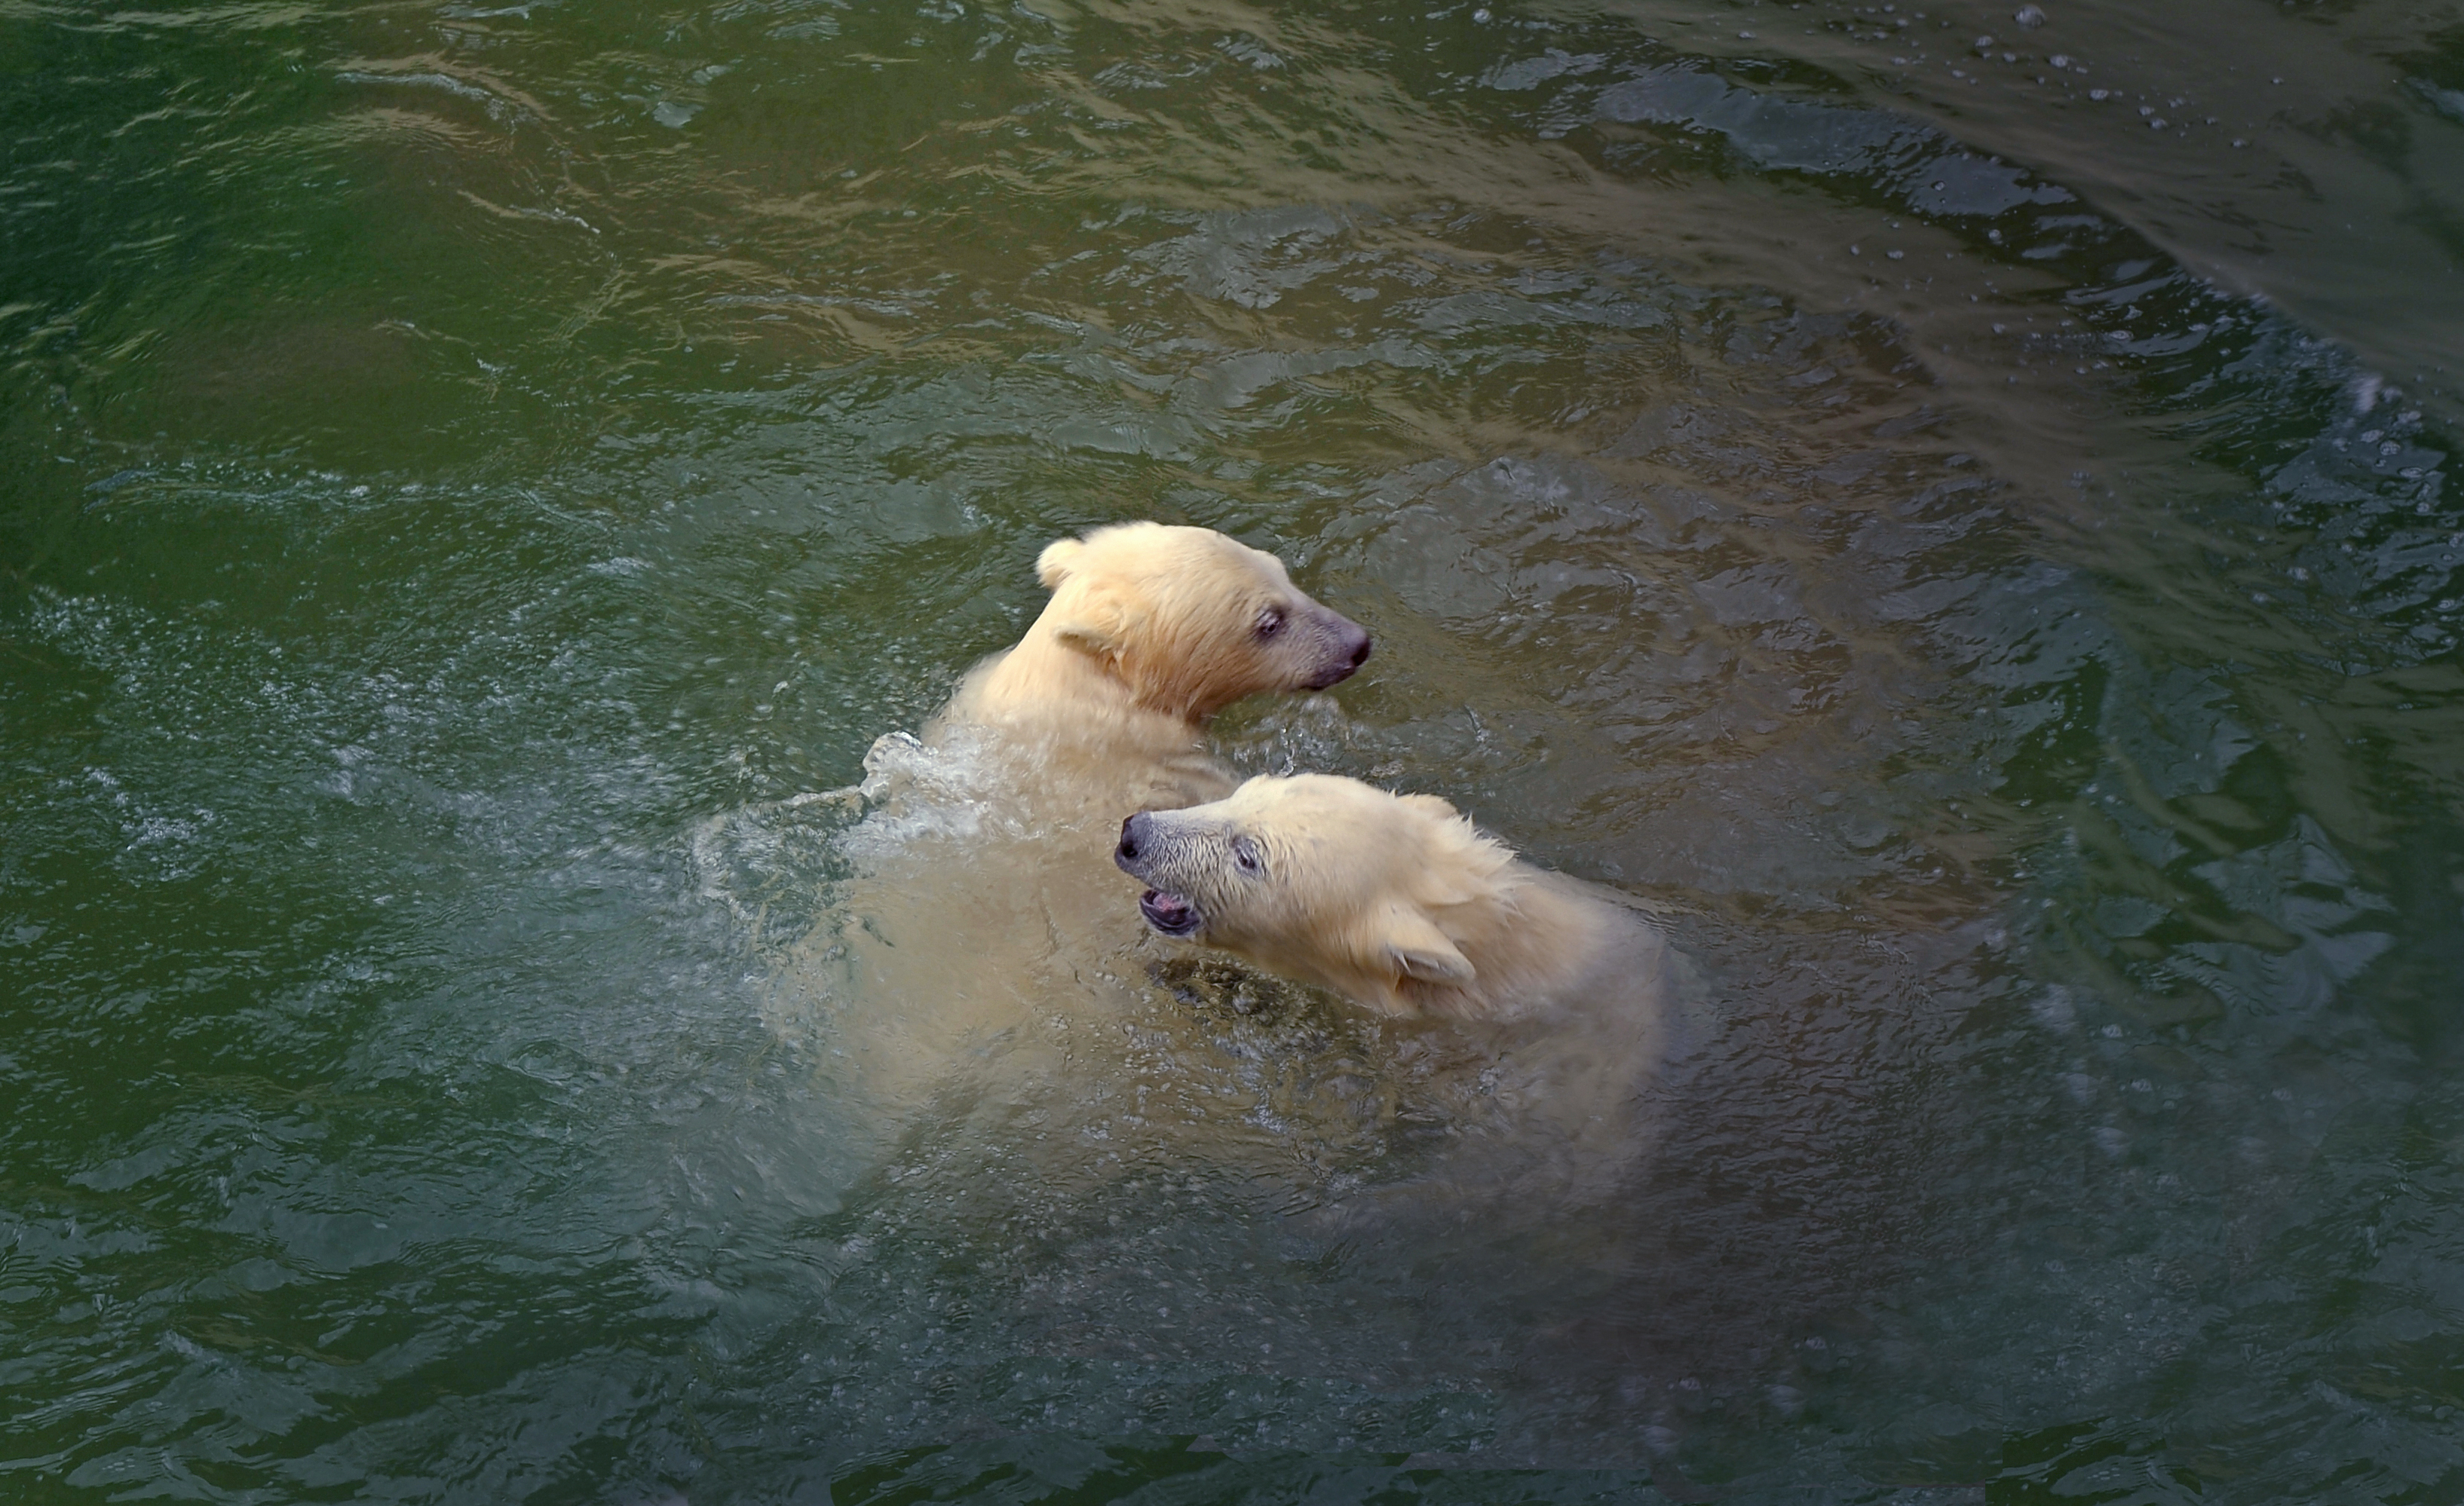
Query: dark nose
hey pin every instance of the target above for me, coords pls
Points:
(1360, 648)
(1134, 839)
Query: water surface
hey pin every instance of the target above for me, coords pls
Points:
(1958, 527)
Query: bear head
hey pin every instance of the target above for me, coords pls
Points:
(1320, 878)
(1192, 620)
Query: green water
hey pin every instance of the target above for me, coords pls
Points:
(1977, 557)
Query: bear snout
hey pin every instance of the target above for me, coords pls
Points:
(1347, 645)
(1134, 841)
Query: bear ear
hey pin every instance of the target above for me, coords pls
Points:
(1094, 620)
(1410, 944)
(1053, 565)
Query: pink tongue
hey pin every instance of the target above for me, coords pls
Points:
(1171, 909)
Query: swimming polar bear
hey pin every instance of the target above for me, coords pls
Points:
(1393, 901)
(1397, 904)
(969, 938)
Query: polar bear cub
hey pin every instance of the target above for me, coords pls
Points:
(1150, 630)
(1393, 901)
(996, 820)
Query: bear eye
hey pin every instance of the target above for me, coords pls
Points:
(1244, 853)
(1270, 621)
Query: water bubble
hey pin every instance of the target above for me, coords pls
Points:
(2029, 17)
(2059, 60)
(2098, 94)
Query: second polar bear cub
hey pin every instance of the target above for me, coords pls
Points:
(1393, 901)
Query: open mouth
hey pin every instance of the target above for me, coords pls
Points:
(1169, 913)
